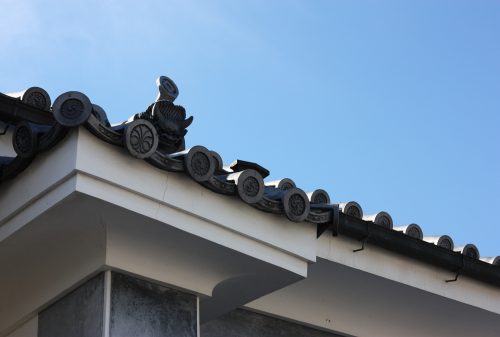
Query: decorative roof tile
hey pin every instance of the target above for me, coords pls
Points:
(157, 136)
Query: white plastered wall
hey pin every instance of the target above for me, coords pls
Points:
(120, 213)
(86, 206)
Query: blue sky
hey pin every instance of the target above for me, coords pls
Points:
(394, 104)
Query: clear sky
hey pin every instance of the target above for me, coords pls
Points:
(394, 104)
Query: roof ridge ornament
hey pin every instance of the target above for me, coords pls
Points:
(158, 131)
(168, 91)
(161, 128)
(170, 123)
(157, 136)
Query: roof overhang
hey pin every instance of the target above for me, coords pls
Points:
(86, 206)
(362, 289)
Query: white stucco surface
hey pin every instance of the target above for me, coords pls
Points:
(87, 206)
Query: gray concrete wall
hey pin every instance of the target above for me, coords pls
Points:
(137, 309)
(244, 323)
(78, 314)
(144, 309)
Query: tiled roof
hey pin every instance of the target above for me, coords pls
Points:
(157, 136)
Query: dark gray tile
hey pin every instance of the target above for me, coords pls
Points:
(143, 309)
(78, 314)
